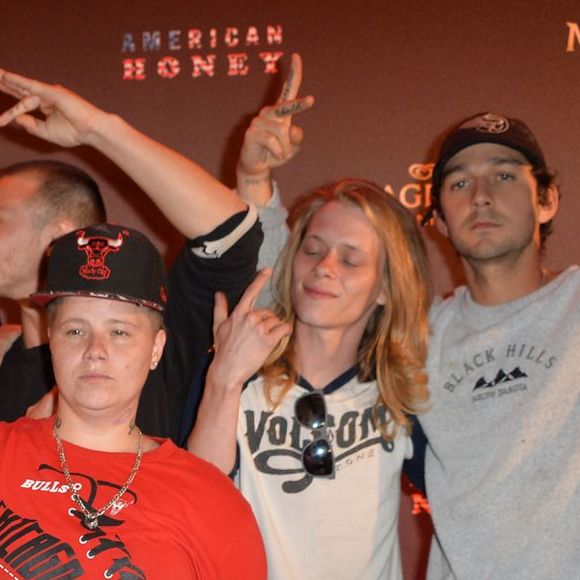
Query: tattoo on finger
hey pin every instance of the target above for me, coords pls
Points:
(288, 85)
(286, 110)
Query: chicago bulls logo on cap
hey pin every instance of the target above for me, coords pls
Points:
(97, 248)
(106, 261)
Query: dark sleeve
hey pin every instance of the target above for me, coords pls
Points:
(415, 467)
(193, 399)
(193, 282)
(25, 376)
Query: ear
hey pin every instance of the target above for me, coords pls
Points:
(381, 298)
(158, 346)
(62, 227)
(548, 209)
(440, 224)
(56, 229)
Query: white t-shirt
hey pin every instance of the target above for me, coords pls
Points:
(320, 528)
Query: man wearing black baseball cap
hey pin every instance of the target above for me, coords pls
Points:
(503, 462)
(492, 128)
(116, 502)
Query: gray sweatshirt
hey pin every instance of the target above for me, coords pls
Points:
(503, 466)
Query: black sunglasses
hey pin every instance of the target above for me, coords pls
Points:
(317, 457)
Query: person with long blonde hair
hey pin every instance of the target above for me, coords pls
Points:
(309, 404)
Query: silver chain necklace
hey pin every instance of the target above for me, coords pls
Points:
(92, 517)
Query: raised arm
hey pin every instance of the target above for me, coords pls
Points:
(243, 341)
(271, 139)
(193, 200)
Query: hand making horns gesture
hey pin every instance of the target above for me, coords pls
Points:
(244, 339)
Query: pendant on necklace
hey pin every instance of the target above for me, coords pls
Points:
(92, 521)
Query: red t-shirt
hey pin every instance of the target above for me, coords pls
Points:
(181, 518)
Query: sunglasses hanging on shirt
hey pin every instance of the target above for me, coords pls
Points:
(317, 456)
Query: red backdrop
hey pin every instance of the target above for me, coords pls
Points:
(389, 79)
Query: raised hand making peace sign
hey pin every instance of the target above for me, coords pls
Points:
(272, 140)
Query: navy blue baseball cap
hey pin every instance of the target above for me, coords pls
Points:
(484, 128)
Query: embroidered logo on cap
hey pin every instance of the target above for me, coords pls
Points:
(488, 123)
(97, 248)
